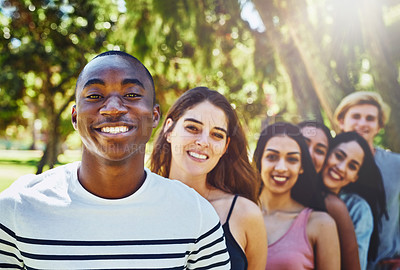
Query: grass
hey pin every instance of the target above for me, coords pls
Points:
(15, 163)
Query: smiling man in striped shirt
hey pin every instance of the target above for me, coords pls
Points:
(108, 211)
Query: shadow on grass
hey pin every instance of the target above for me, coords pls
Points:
(29, 162)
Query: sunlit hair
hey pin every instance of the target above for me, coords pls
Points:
(306, 190)
(133, 59)
(369, 184)
(233, 172)
(361, 98)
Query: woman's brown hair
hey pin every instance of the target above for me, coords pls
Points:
(233, 172)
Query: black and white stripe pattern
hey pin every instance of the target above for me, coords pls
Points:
(51, 222)
(128, 254)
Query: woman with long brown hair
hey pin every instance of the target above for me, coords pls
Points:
(203, 145)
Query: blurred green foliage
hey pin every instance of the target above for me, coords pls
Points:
(266, 75)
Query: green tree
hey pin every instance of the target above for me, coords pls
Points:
(303, 90)
(44, 46)
(384, 67)
(293, 17)
(195, 43)
(344, 46)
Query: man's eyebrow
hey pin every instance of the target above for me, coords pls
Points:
(93, 81)
(201, 123)
(133, 81)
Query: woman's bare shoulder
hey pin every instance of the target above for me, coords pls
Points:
(334, 202)
(320, 221)
(336, 207)
(247, 208)
(247, 214)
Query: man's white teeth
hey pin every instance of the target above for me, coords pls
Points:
(334, 175)
(280, 178)
(197, 155)
(114, 130)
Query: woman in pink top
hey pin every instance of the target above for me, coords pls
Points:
(299, 237)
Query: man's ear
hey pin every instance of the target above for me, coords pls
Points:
(73, 117)
(167, 126)
(156, 115)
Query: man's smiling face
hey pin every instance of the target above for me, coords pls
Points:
(114, 112)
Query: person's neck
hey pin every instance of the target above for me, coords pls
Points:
(111, 179)
(272, 203)
(197, 182)
(372, 147)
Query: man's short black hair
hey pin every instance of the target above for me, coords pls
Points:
(124, 54)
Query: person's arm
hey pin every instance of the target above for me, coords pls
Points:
(10, 256)
(363, 226)
(247, 217)
(348, 242)
(322, 232)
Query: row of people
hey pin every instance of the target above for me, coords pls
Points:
(126, 216)
(350, 188)
(196, 142)
(350, 173)
(366, 114)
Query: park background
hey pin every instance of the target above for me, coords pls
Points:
(274, 60)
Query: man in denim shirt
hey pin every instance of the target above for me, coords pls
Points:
(366, 113)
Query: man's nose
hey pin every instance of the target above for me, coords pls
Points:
(362, 121)
(113, 106)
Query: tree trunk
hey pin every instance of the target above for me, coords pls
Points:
(52, 147)
(43, 160)
(300, 30)
(50, 153)
(383, 69)
(327, 91)
(307, 102)
(303, 91)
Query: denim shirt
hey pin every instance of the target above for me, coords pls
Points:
(389, 229)
(363, 221)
